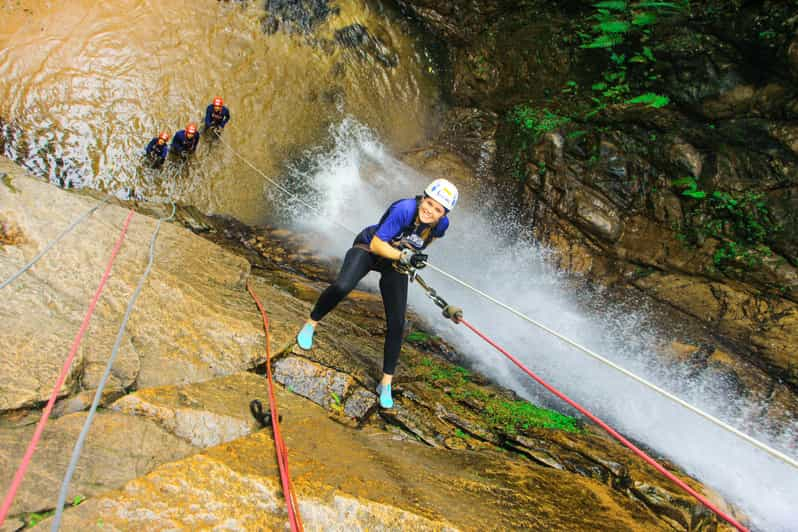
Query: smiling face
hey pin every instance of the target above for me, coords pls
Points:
(430, 211)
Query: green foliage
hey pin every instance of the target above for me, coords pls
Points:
(650, 99)
(536, 122)
(673, 6)
(528, 125)
(78, 499)
(8, 181)
(336, 399)
(612, 26)
(689, 187)
(337, 405)
(460, 434)
(32, 519)
(646, 18)
(622, 28)
(742, 224)
(617, 5)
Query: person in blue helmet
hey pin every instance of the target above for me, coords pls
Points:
(216, 116)
(157, 149)
(391, 247)
(185, 141)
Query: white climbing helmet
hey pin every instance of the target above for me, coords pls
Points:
(444, 192)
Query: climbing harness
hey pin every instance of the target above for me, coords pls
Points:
(23, 467)
(273, 417)
(456, 315)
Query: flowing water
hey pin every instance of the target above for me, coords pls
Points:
(357, 178)
(84, 85)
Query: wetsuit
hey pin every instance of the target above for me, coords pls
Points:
(156, 153)
(216, 119)
(399, 226)
(182, 144)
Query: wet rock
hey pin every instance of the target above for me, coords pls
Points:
(327, 387)
(330, 465)
(360, 403)
(300, 16)
(787, 134)
(118, 449)
(686, 157)
(204, 414)
(471, 133)
(596, 215)
(792, 56)
(356, 480)
(357, 37)
(192, 322)
(12, 524)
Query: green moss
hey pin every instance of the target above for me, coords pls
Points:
(515, 416)
(507, 416)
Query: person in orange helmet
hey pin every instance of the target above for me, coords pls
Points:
(157, 149)
(186, 140)
(216, 115)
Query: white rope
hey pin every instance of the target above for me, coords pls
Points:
(773, 452)
(52, 243)
(626, 372)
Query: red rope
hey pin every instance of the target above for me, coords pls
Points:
(282, 452)
(612, 433)
(23, 467)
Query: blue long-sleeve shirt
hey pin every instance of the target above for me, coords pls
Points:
(181, 143)
(216, 119)
(154, 150)
(400, 225)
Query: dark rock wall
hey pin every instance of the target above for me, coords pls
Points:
(601, 187)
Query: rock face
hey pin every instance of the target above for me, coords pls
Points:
(182, 332)
(356, 480)
(119, 448)
(182, 451)
(600, 184)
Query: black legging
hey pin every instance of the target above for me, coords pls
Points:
(393, 286)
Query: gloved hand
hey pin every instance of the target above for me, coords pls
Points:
(413, 258)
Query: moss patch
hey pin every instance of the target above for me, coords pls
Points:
(500, 413)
